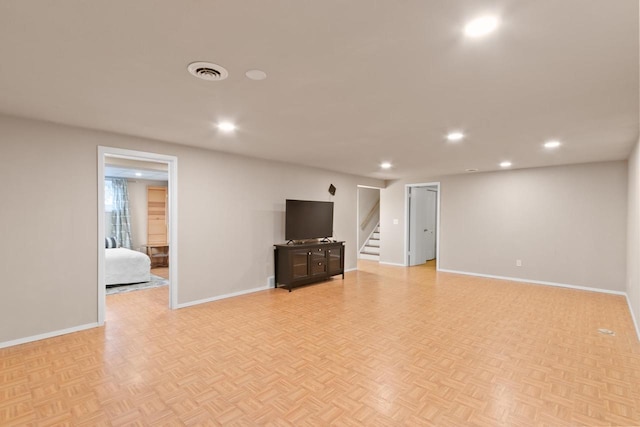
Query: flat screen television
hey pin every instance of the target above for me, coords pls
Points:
(306, 219)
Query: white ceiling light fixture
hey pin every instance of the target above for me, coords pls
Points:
(505, 164)
(256, 75)
(207, 71)
(227, 127)
(385, 165)
(455, 136)
(481, 26)
(138, 174)
(552, 144)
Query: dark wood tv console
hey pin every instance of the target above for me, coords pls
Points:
(301, 264)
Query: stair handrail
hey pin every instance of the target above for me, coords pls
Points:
(370, 215)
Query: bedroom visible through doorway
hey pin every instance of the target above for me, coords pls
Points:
(136, 194)
(137, 224)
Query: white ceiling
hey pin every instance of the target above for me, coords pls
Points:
(350, 83)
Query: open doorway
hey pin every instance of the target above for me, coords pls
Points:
(136, 219)
(368, 233)
(141, 224)
(423, 223)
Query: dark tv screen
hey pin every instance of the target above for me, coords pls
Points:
(305, 219)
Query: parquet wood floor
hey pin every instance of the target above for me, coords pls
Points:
(161, 271)
(388, 346)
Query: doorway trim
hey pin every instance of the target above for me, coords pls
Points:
(407, 218)
(172, 163)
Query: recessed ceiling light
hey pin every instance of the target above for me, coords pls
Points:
(138, 174)
(385, 165)
(505, 164)
(256, 75)
(226, 126)
(481, 26)
(552, 144)
(455, 136)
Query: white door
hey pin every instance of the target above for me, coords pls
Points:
(422, 225)
(430, 229)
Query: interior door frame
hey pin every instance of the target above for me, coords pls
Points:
(172, 163)
(407, 219)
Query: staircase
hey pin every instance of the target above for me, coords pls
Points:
(371, 248)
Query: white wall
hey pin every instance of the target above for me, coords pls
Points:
(48, 220)
(231, 212)
(567, 224)
(633, 236)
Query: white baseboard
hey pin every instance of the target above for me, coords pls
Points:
(47, 335)
(225, 296)
(537, 282)
(351, 269)
(633, 317)
(392, 263)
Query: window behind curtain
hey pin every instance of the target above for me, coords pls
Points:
(108, 195)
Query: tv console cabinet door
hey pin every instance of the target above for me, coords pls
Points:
(299, 263)
(335, 259)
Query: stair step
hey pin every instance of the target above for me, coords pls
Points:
(371, 250)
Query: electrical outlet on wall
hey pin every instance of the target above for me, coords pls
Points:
(271, 281)
(518, 263)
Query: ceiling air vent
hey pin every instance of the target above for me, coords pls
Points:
(207, 71)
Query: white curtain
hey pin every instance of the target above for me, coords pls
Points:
(120, 219)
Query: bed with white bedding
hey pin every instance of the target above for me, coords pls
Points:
(124, 266)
